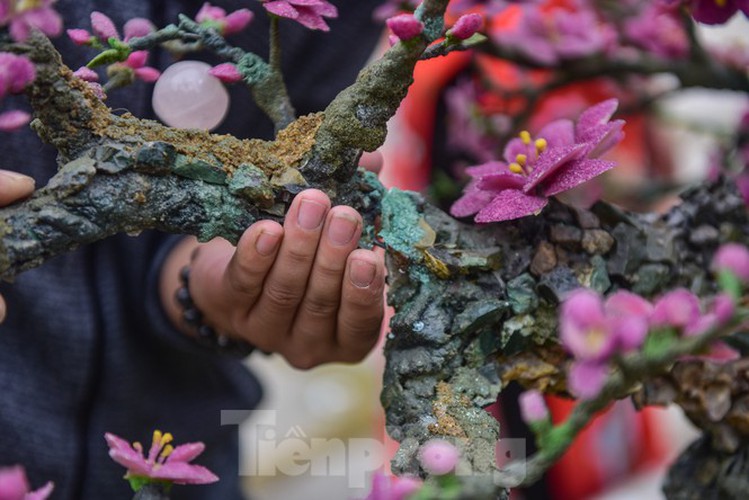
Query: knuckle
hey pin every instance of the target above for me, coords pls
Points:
(282, 297)
(243, 282)
(320, 306)
(300, 254)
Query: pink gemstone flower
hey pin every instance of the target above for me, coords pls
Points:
(103, 29)
(15, 486)
(15, 73)
(226, 24)
(658, 31)
(533, 407)
(23, 16)
(386, 487)
(562, 156)
(592, 330)
(308, 13)
(717, 11)
(678, 308)
(164, 462)
(548, 37)
(438, 457)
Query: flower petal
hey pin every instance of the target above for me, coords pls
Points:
(184, 473)
(11, 121)
(574, 174)
(510, 204)
(13, 482)
(281, 8)
(497, 182)
(549, 162)
(103, 27)
(473, 200)
(585, 380)
(42, 493)
(138, 27)
(186, 452)
(558, 133)
(595, 116)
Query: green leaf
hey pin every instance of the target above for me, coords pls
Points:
(730, 283)
(109, 56)
(659, 341)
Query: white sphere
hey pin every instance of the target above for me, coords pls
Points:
(186, 96)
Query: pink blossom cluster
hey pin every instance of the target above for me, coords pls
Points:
(309, 13)
(563, 155)
(15, 486)
(549, 37)
(103, 30)
(21, 17)
(15, 73)
(593, 330)
(226, 24)
(164, 462)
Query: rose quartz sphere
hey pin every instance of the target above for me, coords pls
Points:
(186, 96)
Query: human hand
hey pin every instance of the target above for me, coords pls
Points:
(303, 290)
(13, 187)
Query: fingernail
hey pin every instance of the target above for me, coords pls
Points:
(267, 243)
(342, 229)
(362, 273)
(11, 176)
(311, 214)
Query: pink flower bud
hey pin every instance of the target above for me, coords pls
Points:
(137, 59)
(17, 72)
(226, 72)
(237, 21)
(439, 457)
(533, 407)
(86, 74)
(466, 26)
(405, 26)
(10, 121)
(103, 26)
(733, 257)
(79, 37)
(209, 13)
(138, 27)
(147, 74)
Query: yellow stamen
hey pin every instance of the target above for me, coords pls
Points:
(515, 168)
(525, 136)
(166, 451)
(720, 3)
(137, 446)
(541, 145)
(521, 159)
(157, 437)
(27, 5)
(166, 439)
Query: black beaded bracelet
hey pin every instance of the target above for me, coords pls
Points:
(206, 336)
